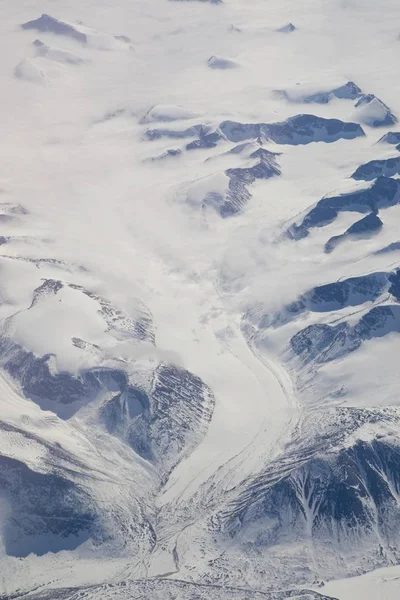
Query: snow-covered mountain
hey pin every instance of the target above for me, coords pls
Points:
(199, 300)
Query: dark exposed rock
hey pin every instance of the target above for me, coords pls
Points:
(289, 28)
(236, 198)
(394, 289)
(48, 513)
(140, 328)
(46, 23)
(392, 137)
(64, 392)
(390, 248)
(318, 98)
(323, 343)
(238, 132)
(263, 166)
(369, 224)
(348, 292)
(364, 228)
(174, 417)
(297, 130)
(117, 414)
(383, 193)
(376, 168)
(206, 140)
(348, 91)
(304, 129)
(386, 118)
(311, 341)
(335, 296)
(334, 486)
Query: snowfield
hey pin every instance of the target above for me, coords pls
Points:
(199, 300)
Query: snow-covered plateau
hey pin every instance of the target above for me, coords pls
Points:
(199, 300)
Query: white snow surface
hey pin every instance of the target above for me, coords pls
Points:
(99, 217)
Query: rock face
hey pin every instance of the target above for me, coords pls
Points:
(348, 292)
(335, 296)
(207, 139)
(377, 168)
(394, 279)
(304, 129)
(166, 424)
(373, 112)
(392, 137)
(162, 423)
(264, 167)
(289, 28)
(393, 247)
(324, 343)
(151, 414)
(339, 479)
(78, 32)
(345, 494)
(239, 132)
(383, 193)
(46, 23)
(47, 512)
(261, 164)
(362, 229)
(297, 130)
(64, 392)
(347, 91)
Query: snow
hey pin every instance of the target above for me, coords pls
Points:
(382, 583)
(372, 112)
(29, 70)
(56, 54)
(86, 35)
(78, 112)
(166, 113)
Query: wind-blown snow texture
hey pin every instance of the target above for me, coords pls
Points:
(199, 300)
